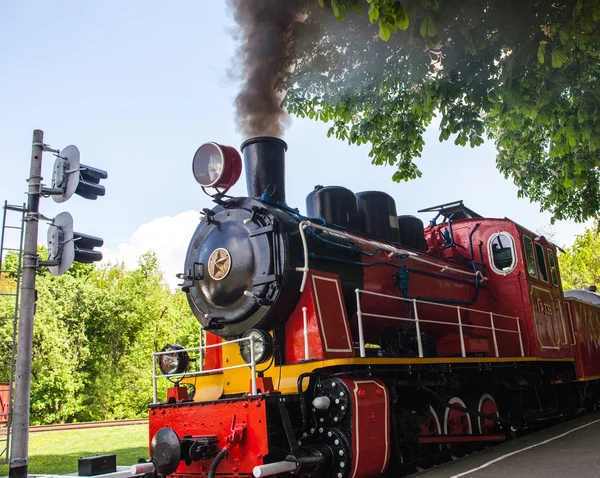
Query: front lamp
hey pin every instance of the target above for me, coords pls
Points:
(217, 166)
(263, 346)
(173, 363)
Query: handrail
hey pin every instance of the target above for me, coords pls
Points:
(202, 371)
(427, 302)
(376, 244)
(304, 269)
(418, 321)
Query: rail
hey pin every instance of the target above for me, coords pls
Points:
(201, 370)
(418, 321)
(303, 225)
(82, 425)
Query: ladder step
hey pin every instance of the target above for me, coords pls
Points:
(4, 294)
(12, 207)
(13, 227)
(11, 249)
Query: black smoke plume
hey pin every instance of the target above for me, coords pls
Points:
(265, 29)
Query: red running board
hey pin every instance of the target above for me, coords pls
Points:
(460, 438)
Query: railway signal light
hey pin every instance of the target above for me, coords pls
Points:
(61, 252)
(84, 245)
(70, 177)
(66, 246)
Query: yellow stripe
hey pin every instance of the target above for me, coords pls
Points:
(587, 379)
(237, 381)
(432, 360)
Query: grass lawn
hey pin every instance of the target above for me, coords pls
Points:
(58, 452)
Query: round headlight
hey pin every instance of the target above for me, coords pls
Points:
(173, 363)
(262, 343)
(216, 166)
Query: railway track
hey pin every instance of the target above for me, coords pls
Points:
(83, 425)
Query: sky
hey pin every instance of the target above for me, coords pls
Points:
(138, 86)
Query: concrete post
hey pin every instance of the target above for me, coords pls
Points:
(20, 436)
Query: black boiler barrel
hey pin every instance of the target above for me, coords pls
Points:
(264, 162)
(377, 215)
(412, 233)
(335, 204)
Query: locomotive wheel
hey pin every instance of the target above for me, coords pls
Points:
(487, 405)
(428, 454)
(432, 424)
(457, 422)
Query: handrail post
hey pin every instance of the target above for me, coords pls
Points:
(253, 366)
(154, 391)
(460, 332)
(201, 350)
(494, 334)
(305, 319)
(418, 328)
(304, 269)
(520, 338)
(361, 337)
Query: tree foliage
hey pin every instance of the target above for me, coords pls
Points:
(523, 73)
(94, 333)
(580, 264)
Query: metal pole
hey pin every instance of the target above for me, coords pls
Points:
(418, 328)
(361, 335)
(19, 449)
(494, 334)
(305, 319)
(253, 366)
(201, 349)
(154, 390)
(460, 332)
(520, 338)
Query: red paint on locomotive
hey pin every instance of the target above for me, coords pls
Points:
(195, 419)
(327, 325)
(371, 427)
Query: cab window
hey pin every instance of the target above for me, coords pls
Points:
(553, 271)
(502, 253)
(530, 257)
(541, 260)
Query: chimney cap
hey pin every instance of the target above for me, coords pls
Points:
(263, 139)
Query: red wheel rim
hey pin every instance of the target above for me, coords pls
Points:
(457, 422)
(487, 405)
(431, 425)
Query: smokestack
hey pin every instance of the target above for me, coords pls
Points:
(264, 162)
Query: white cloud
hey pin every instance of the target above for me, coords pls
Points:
(167, 236)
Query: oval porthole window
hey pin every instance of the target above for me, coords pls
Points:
(502, 253)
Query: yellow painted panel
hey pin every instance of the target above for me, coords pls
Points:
(237, 381)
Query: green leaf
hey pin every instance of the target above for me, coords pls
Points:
(541, 53)
(558, 58)
(384, 32)
(431, 26)
(373, 12)
(563, 36)
(423, 29)
(401, 18)
(338, 9)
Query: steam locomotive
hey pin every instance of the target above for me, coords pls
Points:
(354, 342)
